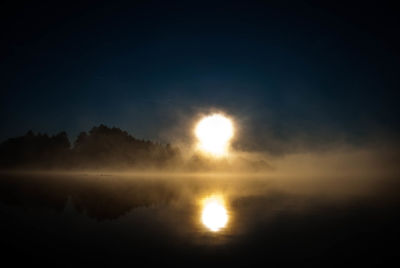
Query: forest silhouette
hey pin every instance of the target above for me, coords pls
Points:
(100, 148)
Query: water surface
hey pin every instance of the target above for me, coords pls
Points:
(76, 219)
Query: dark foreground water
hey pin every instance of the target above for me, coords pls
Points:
(110, 220)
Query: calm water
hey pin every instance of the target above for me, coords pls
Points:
(196, 220)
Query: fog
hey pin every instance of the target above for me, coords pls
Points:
(110, 198)
(130, 216)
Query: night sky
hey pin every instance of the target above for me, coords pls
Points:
(308, 69)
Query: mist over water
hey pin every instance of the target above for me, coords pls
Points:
(113, 199)
(110, 218)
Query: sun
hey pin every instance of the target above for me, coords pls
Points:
(214, 214)
(214, 133)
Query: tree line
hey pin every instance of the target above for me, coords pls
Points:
(100, 148)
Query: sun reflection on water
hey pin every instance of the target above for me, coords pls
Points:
(214, 213)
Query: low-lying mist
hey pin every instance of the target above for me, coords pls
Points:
(306, 208)
(107, 150)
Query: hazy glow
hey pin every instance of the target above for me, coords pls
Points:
(214, 133)
(214, 215)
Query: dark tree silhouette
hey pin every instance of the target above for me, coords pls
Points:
(102, 147)
(33, 150)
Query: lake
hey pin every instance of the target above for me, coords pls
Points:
(108, 219)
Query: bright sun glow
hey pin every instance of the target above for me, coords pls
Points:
(214, 215)
(214, 133)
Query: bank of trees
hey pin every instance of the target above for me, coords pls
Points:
(100, 148)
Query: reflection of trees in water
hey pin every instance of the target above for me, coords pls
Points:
(269, 223)
(100, 198)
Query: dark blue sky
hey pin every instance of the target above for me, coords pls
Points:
(283, 69)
